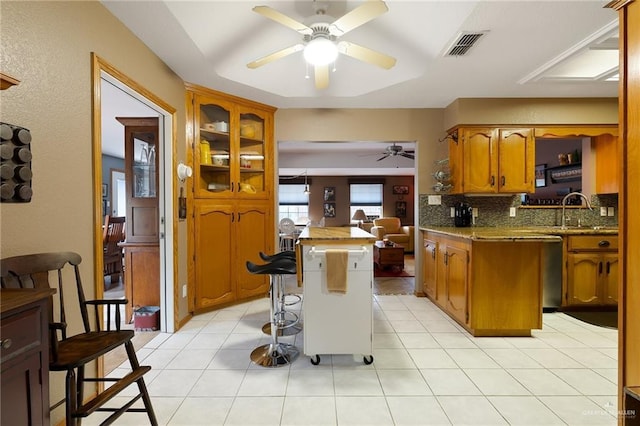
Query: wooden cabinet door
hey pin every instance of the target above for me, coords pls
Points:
(480, 160)
(607, 164)
(516, 160)
(213, 254)
(583, 276)
(251, 228)
(456, 261)
(429, 267)
(610, 279)
(253, 159)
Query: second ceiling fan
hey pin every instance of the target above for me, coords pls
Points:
(320, 38)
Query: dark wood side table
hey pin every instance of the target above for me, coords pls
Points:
(388, 255)
(24, 356)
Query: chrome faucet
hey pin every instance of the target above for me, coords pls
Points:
(564, 204)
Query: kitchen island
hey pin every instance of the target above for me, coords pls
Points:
(337, 320)
(487, 279)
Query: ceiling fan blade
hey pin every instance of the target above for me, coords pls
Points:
(383, 157)
(407, 155)
(358, 16)
(275, 55)
(366, 55)
(321, 74)
(283, 19)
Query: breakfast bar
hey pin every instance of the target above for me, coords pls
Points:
(337, 272)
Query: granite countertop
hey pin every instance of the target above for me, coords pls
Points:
(544, 233)
(335, 234)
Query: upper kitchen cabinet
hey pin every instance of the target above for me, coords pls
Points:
(488, 160)
(232, 141)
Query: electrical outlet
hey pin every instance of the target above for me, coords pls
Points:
(184, 290)
(475, 212)
(512, 212)
(435, 200)
(603, 211)
(453, 212)
(611, 211)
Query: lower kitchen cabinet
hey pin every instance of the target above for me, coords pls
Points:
(490, 287)
(455, 261)
(227, 235)
(429, 267)
(141, 276)
(591, 270)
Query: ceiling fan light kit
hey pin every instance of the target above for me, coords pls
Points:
(320, 38)
(320, 51)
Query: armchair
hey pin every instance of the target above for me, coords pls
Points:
(392, 229)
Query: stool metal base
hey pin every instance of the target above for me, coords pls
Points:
(274, 354)
(289, 328)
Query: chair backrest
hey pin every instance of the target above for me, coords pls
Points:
(287, 226)
(113, 233)
(391, 224)
(48, 270)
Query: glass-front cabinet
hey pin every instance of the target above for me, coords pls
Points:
(231, 149)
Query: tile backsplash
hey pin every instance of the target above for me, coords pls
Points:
(494, 211)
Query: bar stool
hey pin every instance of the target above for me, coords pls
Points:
(274, 354)
(288, 323)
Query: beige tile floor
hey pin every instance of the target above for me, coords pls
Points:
(427, 370)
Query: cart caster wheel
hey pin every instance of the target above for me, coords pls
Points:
(315, 360)
(368, 361)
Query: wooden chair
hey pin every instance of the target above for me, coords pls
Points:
(73, 353)
(113, 234)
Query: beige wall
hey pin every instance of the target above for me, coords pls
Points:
(342, 202)
(47, 46)
(424, 126)
(532, 111)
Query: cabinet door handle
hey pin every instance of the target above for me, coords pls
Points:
(608, 267)
(232, 186)
(446, 258)
(599, 267)
(493, 180)
(603, 243)
(504, 180)
(239, 216)
(433, 253)
(5, 343)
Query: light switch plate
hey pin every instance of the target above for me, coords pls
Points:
(603, 211)
(512, 212)
(435, 200)
(453, 212)
(475, 212)
(611, 211)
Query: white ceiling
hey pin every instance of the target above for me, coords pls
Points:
(210, 42)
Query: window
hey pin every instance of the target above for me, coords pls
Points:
(368, 197)
(293, 202)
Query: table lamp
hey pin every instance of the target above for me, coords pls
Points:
(359, 215)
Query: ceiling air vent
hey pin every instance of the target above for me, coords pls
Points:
(463, 43)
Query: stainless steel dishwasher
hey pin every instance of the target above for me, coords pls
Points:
(552, 276)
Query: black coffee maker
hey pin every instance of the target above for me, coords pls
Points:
(463, 213)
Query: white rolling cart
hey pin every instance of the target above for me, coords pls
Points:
(336, 323)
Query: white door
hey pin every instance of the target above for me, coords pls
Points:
(118, 194)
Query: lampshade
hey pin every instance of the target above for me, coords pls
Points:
(359, 215)
(320, 51)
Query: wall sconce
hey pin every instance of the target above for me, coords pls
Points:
(184, 172)
(306, 186)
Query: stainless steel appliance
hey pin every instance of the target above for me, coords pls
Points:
(552, 276)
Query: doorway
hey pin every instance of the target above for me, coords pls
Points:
(118, 198)
(105, 75)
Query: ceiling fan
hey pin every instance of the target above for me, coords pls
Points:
(320, 38)
(395, 150)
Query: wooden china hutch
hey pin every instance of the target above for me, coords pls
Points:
(232, 197)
